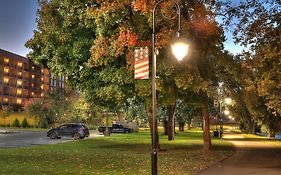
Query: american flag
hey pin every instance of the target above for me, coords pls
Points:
(141, 63)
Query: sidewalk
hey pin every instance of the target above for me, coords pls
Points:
(252, 157)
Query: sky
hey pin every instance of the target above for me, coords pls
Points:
(18, 21)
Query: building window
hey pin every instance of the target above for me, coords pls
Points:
(19, 64)
(19, 101)
(6, 70)
(6, 80)
(19, 82)
(19, 92)
(6, 60)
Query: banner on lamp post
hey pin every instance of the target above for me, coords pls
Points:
(141, 56)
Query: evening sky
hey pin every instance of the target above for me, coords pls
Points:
(18, 21)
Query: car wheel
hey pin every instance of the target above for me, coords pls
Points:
(53, 135)
(76, 136)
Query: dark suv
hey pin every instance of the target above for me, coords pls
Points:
(75, 130)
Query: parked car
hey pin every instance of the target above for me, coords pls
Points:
(75, 130)
(115, 128)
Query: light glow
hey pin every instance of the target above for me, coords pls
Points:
(19, 64)
(6, 80)
(226, 112)
(6, 70)
(227, 100)
(19, 101)
(19, 82)
(19, 92)
(179, 49)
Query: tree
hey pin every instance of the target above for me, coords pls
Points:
(200, 72)
(41, 111)
(258, 28)
(92, 44)
(186, 111)
(6, 111)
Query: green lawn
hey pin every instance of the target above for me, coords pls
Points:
(115, 155)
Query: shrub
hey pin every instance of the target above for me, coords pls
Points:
(16, 123)
(24, 123)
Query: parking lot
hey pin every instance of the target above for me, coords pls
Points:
(28, 138)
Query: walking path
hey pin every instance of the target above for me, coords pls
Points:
(252, 157)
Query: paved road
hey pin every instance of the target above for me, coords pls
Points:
(251, 158)
(28, 138)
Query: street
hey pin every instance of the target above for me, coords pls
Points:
(28, 138)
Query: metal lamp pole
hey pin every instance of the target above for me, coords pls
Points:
(154, 119)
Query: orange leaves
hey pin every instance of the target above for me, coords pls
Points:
(203, 22)
(108, 48)
(163, 38)
(142, 5)
(99, 52)
(127, 37)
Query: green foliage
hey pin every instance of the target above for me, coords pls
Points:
(185, 112)
(24, 123)
(41, 111)
(262, 36)
(16, 123)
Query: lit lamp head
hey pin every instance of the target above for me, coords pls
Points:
(179, 47)
(226, 112)
(228, 100)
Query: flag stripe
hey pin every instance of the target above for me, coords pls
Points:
(139, 66)
(141, 63)
(145, 69)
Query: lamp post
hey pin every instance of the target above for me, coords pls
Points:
(177, 48)
(222, 113)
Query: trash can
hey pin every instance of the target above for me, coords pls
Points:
(216, 133)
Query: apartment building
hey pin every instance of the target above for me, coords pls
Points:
(21, 79)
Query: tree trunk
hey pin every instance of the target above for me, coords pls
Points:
(245, 114)
(206, 126)
(171, 117)
(181, 125)
(149, 112)
(188, 126)
(165, 126)
(271, 130)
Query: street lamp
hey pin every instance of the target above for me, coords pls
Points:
(180, 50)
(225, 112)
(228, 100)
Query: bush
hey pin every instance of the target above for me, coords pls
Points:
(16, 123)
(24, 123)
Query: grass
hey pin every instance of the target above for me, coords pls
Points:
(119, 154)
